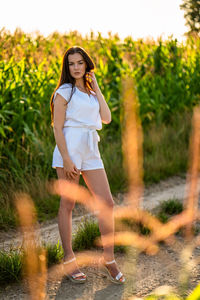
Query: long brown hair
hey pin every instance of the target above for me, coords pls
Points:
(65, 76)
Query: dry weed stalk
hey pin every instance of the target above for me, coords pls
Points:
(191, 199)
(132, 139)
(34, 256)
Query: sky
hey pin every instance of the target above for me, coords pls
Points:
(136, 18)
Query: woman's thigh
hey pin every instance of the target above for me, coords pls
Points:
(97, 183)
(62, 175)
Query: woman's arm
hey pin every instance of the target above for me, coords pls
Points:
(105, 112)
(104, 109)
(59, 119)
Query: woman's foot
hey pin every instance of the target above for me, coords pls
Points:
(75, 275)
(113, 271)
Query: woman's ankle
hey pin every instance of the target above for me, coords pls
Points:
(68, 256)
(108, 258)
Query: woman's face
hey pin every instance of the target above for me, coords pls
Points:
(77, 65)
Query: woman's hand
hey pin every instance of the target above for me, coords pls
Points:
(92, 79)
(70, 169)
(105, 112)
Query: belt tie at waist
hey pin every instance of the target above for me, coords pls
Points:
(93, 136)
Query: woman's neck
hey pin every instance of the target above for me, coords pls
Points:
(80, 83)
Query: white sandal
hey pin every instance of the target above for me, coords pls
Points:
(119, 278)
(77, 276)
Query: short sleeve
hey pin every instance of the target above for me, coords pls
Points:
(64, 90)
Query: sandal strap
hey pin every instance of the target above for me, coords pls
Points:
(69, 261)
(110, 262)
(119, 275)
(78, 275)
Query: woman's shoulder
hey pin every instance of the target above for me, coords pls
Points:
(64, 90)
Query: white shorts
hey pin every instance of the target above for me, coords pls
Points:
(82, 145)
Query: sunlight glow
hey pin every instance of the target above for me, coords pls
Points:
(139, 19)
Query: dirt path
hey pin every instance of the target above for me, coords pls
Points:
(173, 188)
(143, 272)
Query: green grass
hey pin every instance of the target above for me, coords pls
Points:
(111, 152)
(7, 218)
(55, 253)
(46, 204)
(171, 207)
(167, 209)
(47, 208)
(162, 217)
(163, 212)
(10, 266)
(87, 234)
(11, 262)
(136, 226)
(166, 148)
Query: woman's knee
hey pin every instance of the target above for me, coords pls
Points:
(66, 204)
(109, 202)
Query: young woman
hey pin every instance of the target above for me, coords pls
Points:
(78, 109)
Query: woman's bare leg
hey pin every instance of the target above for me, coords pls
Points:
(97, 183)
(65, 220)
(65, 217)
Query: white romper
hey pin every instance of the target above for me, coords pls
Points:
(82, 121)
